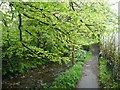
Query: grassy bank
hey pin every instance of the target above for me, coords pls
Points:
(68, 79)
(106, 75)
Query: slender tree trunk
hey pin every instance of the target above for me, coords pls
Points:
(73, 50)
(19, 27)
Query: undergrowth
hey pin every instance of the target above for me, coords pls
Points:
(106, 76)
(68, 79)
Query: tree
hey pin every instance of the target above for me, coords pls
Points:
(41, 32)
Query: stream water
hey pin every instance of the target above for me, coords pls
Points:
(36, 77)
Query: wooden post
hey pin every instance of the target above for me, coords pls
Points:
(73, 49)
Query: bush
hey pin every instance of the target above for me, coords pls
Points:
(17, 59)
(111, 54)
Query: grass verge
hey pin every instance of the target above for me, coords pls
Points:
(68, 80)
(106, 76)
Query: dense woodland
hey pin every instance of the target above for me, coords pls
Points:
(39, 33)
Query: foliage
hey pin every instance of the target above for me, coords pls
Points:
(88, 56)
(82, 55)
(106, 77)
(35, 33)
(110, 53)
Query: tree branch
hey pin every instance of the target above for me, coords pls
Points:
(71, 4)
(28, 48)
(31, 34)
(35, 19)
(1, 4)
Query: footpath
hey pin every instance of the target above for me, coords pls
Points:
(89, 73)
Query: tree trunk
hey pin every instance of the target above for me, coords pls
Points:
(73, 49)
(19, 27)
